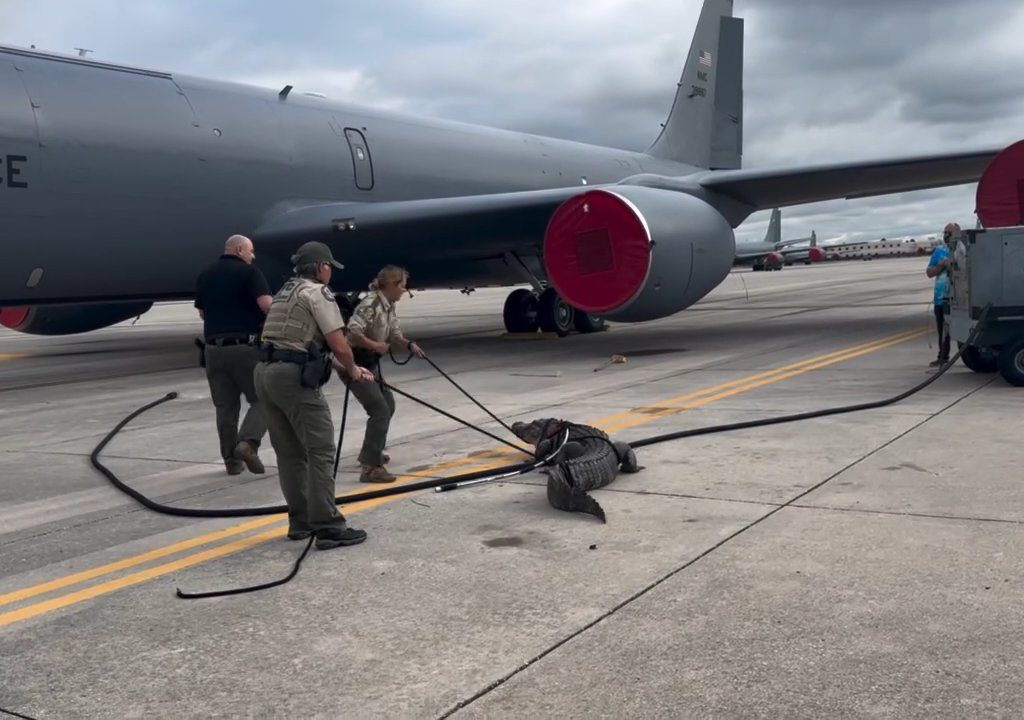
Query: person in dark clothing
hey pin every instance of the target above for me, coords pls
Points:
(233, 298)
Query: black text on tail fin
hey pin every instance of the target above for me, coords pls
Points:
(705, 126)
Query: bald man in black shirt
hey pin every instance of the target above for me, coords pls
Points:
(233, 298)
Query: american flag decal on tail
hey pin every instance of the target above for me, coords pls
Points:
(705, 58)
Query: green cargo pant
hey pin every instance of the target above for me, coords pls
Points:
(379, 403)
(229, 371)
(302, 434)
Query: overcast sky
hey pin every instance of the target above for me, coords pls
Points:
(825, 79)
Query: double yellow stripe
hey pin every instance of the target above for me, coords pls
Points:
(496, 458)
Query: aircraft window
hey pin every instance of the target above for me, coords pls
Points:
(360, 154)
(216, 131)
(34, 278)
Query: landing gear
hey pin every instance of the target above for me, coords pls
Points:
(526, 312)
(555, 314)
(587, 323)
(520, 311)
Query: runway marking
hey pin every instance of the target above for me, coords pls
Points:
(613, 422)
(13, 356)
(104, 588)
(142, 558)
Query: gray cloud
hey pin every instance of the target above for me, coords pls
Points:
(824, 80)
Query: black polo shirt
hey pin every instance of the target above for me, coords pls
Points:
(226, 292)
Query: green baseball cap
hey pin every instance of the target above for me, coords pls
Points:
(315, 252)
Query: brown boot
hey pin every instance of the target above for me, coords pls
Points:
(376, 474)
(245, 452)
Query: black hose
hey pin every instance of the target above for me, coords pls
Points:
(14, 714)
(251, 588)
(512, 468)
(763, 422)
(453, 481)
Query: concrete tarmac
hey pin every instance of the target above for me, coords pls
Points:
(860, 565)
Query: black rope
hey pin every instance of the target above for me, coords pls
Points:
(385, 384)
(518, 448)
(447, 377)
(341, 431)
(252, 588)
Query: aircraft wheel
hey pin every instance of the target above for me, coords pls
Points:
(555, 314)
(520, 311)
(979, 359)
(587, 323)
(1011, 362)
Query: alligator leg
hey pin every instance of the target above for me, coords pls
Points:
(628, 462)
(563, 495)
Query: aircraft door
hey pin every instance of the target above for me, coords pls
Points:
(360, 159)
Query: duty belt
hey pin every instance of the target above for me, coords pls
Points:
(269, 353)
(225, 340)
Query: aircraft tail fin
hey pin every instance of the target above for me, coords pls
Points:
(705, 125)
(774, 234)
(814, 239)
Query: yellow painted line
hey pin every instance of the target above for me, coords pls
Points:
(104, 588)
(640, 419)
(698, 398)
(13, 356)
(129, 562)
(903, 336)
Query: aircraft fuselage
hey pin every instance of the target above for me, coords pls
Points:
(121, 183)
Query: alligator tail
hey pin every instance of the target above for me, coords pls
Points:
(564, 496)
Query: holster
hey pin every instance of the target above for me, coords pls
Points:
(317, 370)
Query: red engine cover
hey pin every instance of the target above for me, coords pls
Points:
(597, 251)
(13, 317)
(815, 255)
(1000, 198)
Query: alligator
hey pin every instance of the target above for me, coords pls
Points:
(588, 460)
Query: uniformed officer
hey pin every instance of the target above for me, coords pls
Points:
(294, 364)
(232, 297)
(372, 329)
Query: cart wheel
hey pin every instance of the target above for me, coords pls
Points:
(1011, 362)
(979, 359)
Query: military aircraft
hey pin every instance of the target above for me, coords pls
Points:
(773, 252)
(118, 184)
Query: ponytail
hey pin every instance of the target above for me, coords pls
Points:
(389, 274)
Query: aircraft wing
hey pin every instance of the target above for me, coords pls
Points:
(467, 227)
(763, 189)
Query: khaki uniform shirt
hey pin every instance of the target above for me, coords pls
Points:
(303, 310)
(375, 317)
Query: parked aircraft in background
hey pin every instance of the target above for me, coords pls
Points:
(118, 184)
(773, 252)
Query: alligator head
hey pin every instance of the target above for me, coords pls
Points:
(538, 430)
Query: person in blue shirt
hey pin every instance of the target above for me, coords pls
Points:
(938, 268)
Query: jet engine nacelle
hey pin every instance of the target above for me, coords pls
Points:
(633, 253)
(68, 319)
